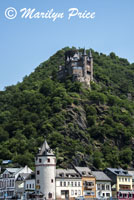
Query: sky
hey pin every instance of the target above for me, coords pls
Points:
(25, 42)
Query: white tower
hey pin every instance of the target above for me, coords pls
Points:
(45, 172)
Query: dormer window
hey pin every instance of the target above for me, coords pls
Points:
(83, 173)
(40, 160)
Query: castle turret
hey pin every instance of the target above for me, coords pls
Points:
(91, 63)
(45, 172)
(84, 62)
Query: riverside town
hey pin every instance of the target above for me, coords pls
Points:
(50, 183)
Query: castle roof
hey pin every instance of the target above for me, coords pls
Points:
(84, 53)
(90, 54)
(45, 150)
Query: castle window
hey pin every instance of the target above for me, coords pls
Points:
(88, 72)
(40, 160)
(48, 160)
(38, 172)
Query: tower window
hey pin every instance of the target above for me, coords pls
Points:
(40, 160)
(38, 172)
(52, 180)
(48, 160)
(50, 195)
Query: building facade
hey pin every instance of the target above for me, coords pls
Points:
(68, 184)
(88, 182)
(121, 182)
(9, 185)
(79, 66)
(103, 185)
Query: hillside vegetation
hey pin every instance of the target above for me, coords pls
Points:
(84, 127)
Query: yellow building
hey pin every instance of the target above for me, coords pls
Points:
(121, 181)
(88, 182)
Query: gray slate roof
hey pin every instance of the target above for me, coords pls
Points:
(67, 173)
(22, 176)
(84, 171)
(119, 172)
(45, 150)
(131, 173)
(100, 176)
(13, 170)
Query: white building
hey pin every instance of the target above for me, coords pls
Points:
(103, 185)
(45, 164)
(8, 182)
(29, 186)
(68, 184)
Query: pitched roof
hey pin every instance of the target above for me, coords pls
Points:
(119, 172)
(83, 171)
(101, 176)
(67, 173)
(131, 173)
(22, 176)
(13, 170)
(45, 150)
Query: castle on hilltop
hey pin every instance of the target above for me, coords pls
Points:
(77, 65)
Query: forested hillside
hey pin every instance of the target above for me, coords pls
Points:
(93, 127)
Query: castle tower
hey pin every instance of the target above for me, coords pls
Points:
(84, 62)
(91, 64)
(45, 172)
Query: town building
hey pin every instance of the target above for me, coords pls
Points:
(29, 186)
(10, 185)
(132, 174)
(121, 182)
(88, 182)
(68, 184)
(103, 185)
(78, 65)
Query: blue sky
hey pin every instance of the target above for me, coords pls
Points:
(25, 43)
